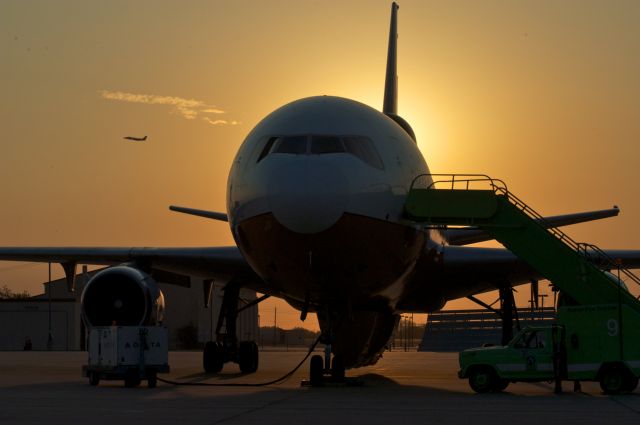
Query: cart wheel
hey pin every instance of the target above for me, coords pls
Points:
(152, 380)
(132, 378)
(94, 378)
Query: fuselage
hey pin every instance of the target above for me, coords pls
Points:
(315, 202)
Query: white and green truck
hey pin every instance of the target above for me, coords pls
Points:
(589, 343)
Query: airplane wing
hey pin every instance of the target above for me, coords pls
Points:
(208, 263)
(464, 271)
(469, 235)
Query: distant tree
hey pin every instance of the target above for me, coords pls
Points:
(292, 337)
(7, 293)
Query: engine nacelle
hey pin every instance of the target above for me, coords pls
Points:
(122, 296)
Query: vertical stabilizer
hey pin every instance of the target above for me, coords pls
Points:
(390, 105)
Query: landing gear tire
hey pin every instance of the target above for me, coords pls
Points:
(482, 380)
(248, 356)
(613, 380)
(337, 370)
(212, 357)
(316, 372)
(94, 379)
(500, 385)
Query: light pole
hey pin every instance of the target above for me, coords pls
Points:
(275, 325)
(50, 337)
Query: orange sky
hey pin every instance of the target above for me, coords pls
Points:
(542, 94)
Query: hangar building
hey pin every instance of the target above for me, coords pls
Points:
(188, 321)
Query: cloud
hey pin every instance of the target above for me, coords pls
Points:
(212, 111)
(188, 108)
(221, 122)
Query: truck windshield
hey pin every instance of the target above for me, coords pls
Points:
(531, 339)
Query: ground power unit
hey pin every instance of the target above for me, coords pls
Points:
(128, 353)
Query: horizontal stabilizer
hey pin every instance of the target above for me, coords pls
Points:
(200, 213)
(466, 236)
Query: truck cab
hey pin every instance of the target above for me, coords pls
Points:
(527, 357)
(588, 343)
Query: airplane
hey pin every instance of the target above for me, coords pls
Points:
(135, 139)
(315, 203)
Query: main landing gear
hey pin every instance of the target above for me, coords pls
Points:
(226, 348)
(216, 354)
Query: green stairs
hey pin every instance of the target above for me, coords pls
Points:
(578, 270)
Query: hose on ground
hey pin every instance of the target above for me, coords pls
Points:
(239, 384)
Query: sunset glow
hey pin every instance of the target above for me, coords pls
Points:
(544, 95)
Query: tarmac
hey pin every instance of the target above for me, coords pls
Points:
(404, 387)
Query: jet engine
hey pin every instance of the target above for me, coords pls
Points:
(122, 296)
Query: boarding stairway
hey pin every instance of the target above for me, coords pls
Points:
(580, 271)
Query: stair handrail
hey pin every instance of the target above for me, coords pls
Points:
(500, 187)
(539, 218)
(606, 262)
(457, 179)
(581, 248)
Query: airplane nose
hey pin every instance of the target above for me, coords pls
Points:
(309, 195)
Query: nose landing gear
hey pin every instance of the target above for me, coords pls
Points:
(323, 370)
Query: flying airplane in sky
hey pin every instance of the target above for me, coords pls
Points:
(315, 203)
(135, 139)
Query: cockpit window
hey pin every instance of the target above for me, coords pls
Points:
(364, 149)
(358, 146)
(326, 144)
(267, 148)
(292, 144)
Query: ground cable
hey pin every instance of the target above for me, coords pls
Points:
(239, 384)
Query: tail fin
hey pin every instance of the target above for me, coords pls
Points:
(390, 103)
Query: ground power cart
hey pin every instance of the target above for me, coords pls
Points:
(128, 353)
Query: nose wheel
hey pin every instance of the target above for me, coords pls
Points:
(320, 374)
(316, 371)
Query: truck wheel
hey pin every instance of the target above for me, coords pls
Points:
(612, 380)
(482, 379)
(94, 378)
(630, 384)
(500, 385)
